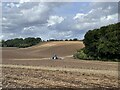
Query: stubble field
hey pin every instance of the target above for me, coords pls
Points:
(32, 67)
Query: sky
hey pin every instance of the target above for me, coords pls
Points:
(55, 20)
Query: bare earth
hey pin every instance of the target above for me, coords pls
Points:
(33, 67)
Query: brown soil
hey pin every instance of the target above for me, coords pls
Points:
(32, 67)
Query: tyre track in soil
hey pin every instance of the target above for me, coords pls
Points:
(103, 72)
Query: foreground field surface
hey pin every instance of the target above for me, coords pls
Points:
(33, 67)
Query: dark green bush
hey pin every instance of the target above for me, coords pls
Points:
(81, 55)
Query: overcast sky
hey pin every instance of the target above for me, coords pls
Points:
(55, 20)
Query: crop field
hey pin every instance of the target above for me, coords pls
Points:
(33, 68)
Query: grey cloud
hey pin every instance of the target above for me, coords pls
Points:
(31, 19)
(101, 14)
(26, 15)
(110, 7)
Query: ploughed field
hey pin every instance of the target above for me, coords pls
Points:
(33, 67)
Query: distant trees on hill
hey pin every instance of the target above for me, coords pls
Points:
(103, 43)
(75, 39)
(27, 42)
(20, 42)
(54, 40)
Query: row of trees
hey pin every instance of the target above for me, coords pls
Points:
(20, 42)
(27, 42)
(75, 39)
(103, 43)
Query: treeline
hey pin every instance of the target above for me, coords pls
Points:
(75, 39)
(102, 44)
(20, 42)
(27, 42)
